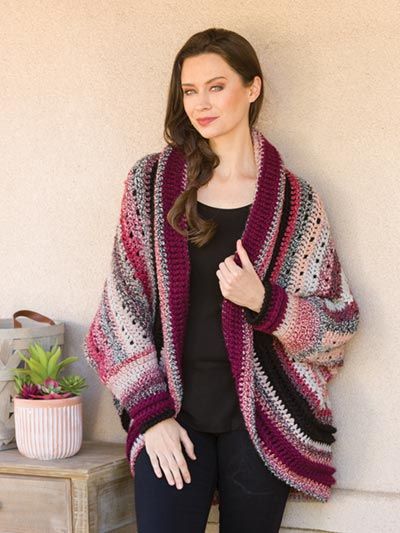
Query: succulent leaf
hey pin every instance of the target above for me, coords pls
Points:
(22, 356)
(52, 367)
(37, 368)
(39, 380)
(74, 384)
(67, 361)
(42, 356)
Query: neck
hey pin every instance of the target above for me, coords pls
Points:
(236, 153)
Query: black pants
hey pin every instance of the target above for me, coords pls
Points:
(251, 497)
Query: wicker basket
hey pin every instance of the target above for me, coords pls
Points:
(13, 337)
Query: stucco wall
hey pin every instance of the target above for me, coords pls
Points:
(83, 94)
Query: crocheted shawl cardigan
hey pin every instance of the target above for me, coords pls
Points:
(282, 358)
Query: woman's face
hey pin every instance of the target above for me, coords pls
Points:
(211, 88)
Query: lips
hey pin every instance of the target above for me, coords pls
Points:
(206, 120)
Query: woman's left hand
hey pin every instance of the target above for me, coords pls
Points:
(241, 285)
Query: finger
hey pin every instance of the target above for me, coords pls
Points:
(244, 258)
(173, 466)
(165, 465)
(182, 465)
(188, 444)
(225, 272)
(231, 265)
(154, 463)
(222, 284)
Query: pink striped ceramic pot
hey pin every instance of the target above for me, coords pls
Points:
(48, 429)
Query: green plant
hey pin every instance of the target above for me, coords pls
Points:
(41, 378)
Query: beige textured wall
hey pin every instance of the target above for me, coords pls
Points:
(83, 93)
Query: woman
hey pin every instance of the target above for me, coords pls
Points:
(225, 313)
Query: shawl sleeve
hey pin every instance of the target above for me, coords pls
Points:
(317, 317)
(120, 345)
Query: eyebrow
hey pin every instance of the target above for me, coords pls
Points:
(209, 81)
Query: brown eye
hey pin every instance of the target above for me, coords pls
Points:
(188, 90)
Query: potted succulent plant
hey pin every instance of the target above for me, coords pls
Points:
(47, 407)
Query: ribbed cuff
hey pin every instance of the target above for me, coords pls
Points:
(150, 407)
(273, 309)
(255, 318)
(169, 413)
(125, 419)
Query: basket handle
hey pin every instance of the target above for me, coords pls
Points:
(33, 315)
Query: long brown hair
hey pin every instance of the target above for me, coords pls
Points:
(179, 132)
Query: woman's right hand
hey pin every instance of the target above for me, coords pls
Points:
(163, 445)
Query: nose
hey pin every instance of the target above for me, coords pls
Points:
(203, 101)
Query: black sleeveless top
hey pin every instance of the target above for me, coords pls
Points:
(209, 398)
